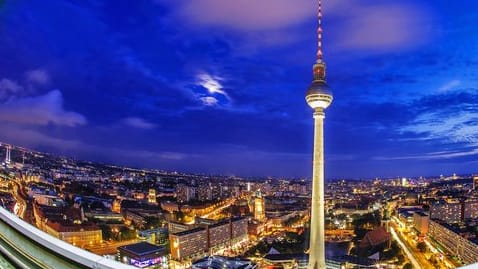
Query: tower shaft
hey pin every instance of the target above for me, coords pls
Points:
(317, 229)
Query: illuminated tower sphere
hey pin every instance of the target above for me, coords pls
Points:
(319, 97)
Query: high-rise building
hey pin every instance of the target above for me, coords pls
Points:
(152, 196)
(259, 206)
(446, 211)
(208, 238)
(219, 235)
(8, 159)
(475, 182)
(185, 193)
(318, 97)
(421, 222)
(470, 209)
(205, 193)
(248, 186)
(238, 230)
(451, 239)
(454, 211)
(190, 244)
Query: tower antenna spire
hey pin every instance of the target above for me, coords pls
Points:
(319, 33)
(319, 66)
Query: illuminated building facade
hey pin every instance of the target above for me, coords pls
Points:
(152, 196)
(190, 244)
(238, 230)
(205, 193)
(470, 209)
(446, 211)
(185, 193)
(67, 225)
(454, 243)
(144, 255)
(176, 227)
(454, 211)
(80, 235)
(219, 236)
(259, 207)
(318, 97)
(209, 238)
(421, 222)
(116, 206)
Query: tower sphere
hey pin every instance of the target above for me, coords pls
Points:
(319, 95)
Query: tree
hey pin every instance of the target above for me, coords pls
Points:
(152, 222)
(178, 216)
(422, 247)
(126, 234)
(393, 252)
(400, 258)
(106, 232)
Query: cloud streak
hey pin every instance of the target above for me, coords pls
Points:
(382, 27)
(212, 84)
(38, 76)
(209, 101)
(449, 86)
(430, 155)
(245, 15)
(139, 123)
(40, 110)
(9, 88)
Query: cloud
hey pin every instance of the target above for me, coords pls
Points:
(446, 121)
(214, 87)
(449, 86)
(379, 26)
(38, 76)
(458, 127)
(431, 155)
(211, 83)
(9, 88)
(382, 27)
(209, 101)
(138, 123)
(40, 110)
(33, 138)
(245, 15)
(151, 155)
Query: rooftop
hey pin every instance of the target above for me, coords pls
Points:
(195, 230)
(142, 248)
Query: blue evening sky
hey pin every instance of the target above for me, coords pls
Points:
(216, 86)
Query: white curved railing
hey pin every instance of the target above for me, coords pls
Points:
(57, 246)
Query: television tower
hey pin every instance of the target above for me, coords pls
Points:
(8, 155)
(319, 97)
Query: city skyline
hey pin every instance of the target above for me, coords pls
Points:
(159, 85)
